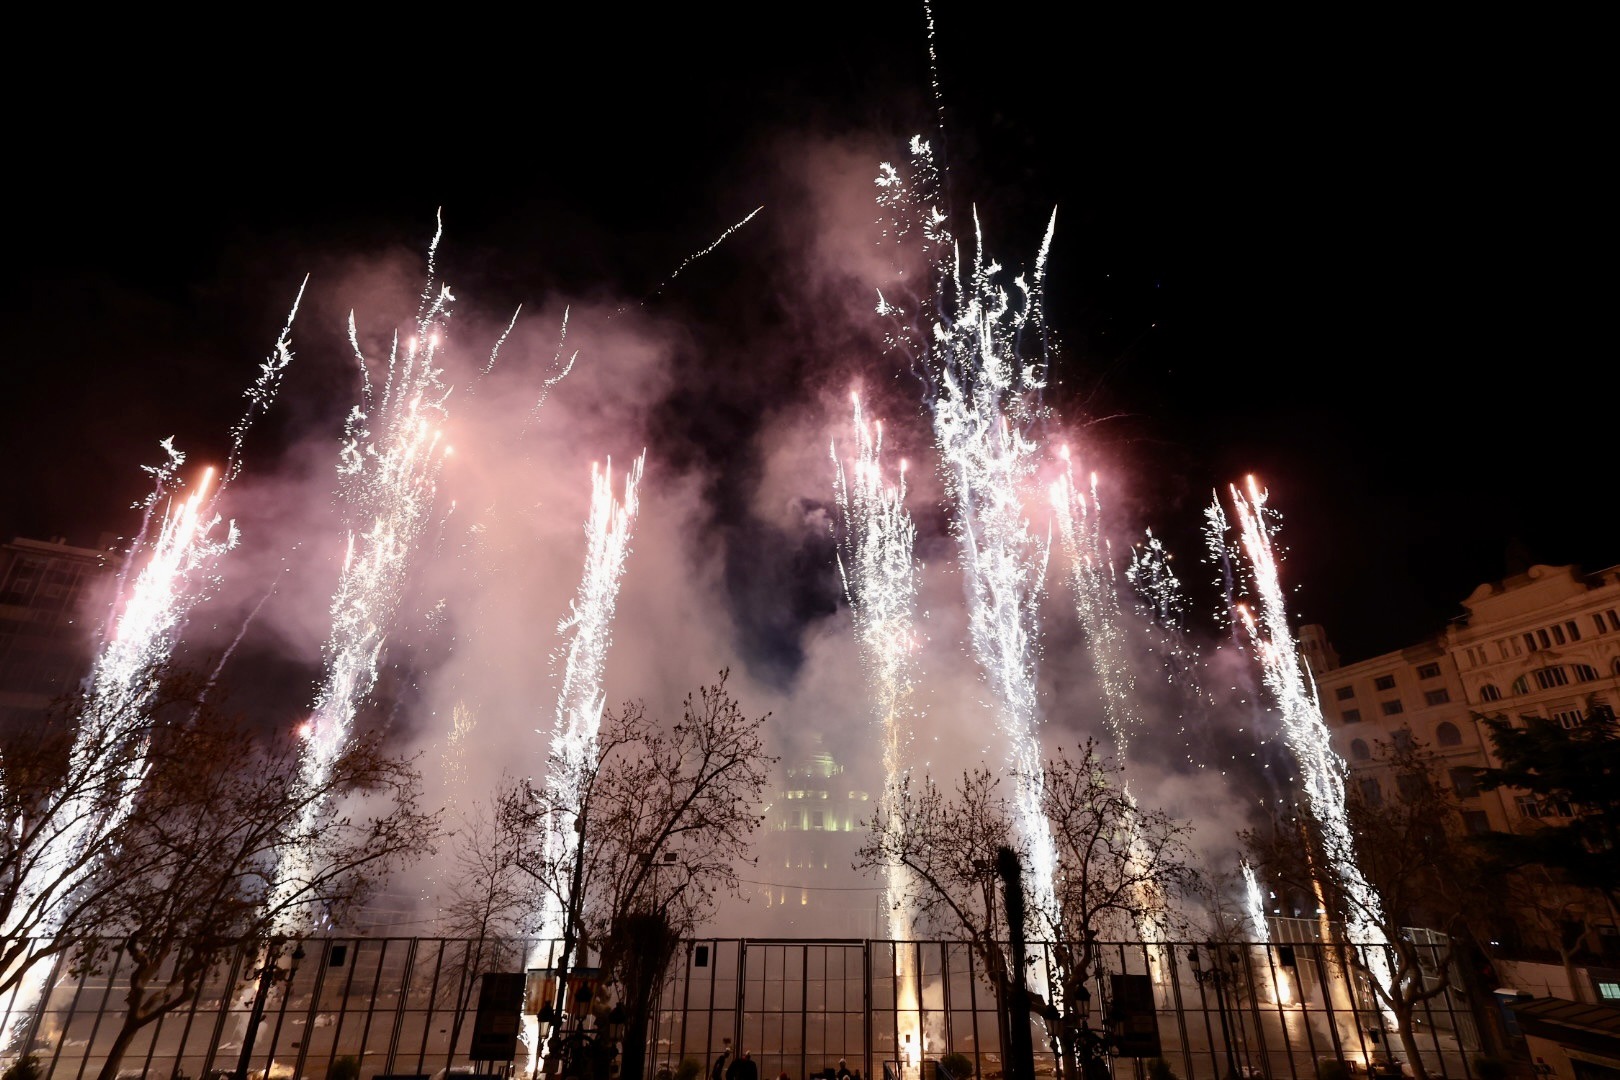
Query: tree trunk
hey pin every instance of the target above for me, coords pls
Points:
(1409, 1043)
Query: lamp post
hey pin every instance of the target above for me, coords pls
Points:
(1217, 976)
(269, 974)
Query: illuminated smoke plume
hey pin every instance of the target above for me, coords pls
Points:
(388, 467)
(171, 567)
(479, 560)
(588, 630)
(985, 395)
(877, 562)
(1322, 771)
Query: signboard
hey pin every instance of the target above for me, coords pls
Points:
(1133, 1022)
(500, 1005)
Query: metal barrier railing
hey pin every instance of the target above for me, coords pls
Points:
(406, 1006)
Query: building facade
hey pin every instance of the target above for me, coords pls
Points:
(48, 591)
(1545, 643)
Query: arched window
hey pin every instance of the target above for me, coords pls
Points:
(1447, 734)
(1490, 692)
(1358, 750)
(1521, 685)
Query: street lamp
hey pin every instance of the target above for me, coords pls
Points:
(1217, 976)
(269, 974)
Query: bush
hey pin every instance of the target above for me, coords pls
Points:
(956, 1066)
(344, 1068)
(1159, 1069)
(25, 1068)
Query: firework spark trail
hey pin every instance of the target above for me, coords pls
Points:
(588, 629)
(1096, 598)
(1096, 601)
(165, 575)
(1275, 975)
(1161, 604)
(877, 563)
(1305, 732)
(984, 394)
(388, 468)
(689, 260)
(1254, 904)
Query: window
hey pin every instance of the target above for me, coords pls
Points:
(1384, 682)
(1345, 693)
(1614, 620)
(1447, 734)
(1490, 692)
(1574, 631)
(1569, 718)
(1546, 642)
(1358, 750)
(1558, 634)
(1352, 716)
(1465, 782)
(1391, 708)
(1549, 677)
(1597, 620)
(1436, 697)
(1584, 672)
(1428, 671)
(1476, 822)
(1370, 794)
(1411, 785)
(1532, 807)
(817, 820)
(1530, 642)
(1521, 685)
(1402, 740)
(1608, 991)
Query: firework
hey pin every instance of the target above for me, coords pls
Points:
(1096, 599)
(387, 467)
(171, 567)
(588, 631)
(985, 395)
(1322, 771)
(876, 560)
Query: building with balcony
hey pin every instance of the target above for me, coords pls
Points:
(1544, 643)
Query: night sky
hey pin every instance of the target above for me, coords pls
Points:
(1365, 267)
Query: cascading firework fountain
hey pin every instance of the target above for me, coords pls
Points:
(388, 468)
(984, 394)
(1305, 732)
(878, 566)
(580, 698)
(166, 573)
(1096, 597)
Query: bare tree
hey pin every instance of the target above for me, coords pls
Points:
(950, 842)
(662, 818)
(1422, 872)
(202, 874)
(60, 786)
(1120, 869)
(485, 902)
(1118, 866)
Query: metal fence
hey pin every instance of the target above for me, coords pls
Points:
(892, 1010)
